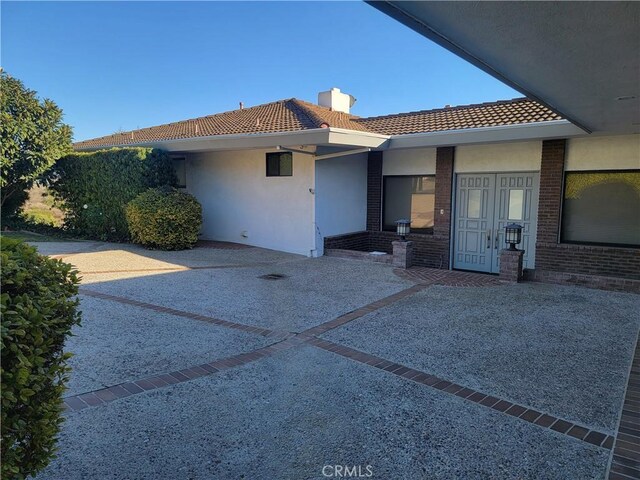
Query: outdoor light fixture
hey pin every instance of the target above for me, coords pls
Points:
(403, 227)
(513, 235)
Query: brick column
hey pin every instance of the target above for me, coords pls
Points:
(374, 192)
(444, 177)
(402, 254)
(442, 205)
(551, 182)
(511, 265)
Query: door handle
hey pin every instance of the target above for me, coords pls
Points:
(496, 244)
(489, 238)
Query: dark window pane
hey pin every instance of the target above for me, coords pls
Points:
(602, 207)
(411, 198)
(273, 164)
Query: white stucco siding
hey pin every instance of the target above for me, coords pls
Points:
(341, 196)
(237, 197)
(411, 161)
(620, 152)
(498, 157)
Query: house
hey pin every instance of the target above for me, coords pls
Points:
(564, 161)
(300, 177)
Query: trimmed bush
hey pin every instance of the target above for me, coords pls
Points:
(94, 188)
(164, 218)
(38, 310)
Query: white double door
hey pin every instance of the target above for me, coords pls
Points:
(485, 204)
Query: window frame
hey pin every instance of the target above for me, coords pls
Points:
(267, 154)
(561, 240)
(417, 231)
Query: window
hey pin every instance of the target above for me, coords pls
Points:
(280, 164)
(602, 208)
(412, 198)
(180, 167)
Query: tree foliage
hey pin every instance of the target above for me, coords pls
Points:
(94, 188)
(32, 138)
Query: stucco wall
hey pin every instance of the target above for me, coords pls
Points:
(237, 197)
(498, 157)
(414, 161)
(341, 196)
(603, 153)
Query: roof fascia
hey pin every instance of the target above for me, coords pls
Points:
(232, 142)
(506, 133)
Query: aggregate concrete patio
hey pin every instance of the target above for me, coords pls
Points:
(189, 365)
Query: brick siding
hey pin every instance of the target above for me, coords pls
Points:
(571, 263)
(551, 182)
(589, 260)
(374, 191)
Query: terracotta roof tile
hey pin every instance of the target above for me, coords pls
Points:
(282, 116)
(504, 112)
(295, 115)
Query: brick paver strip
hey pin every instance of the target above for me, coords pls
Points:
(625, 461)
(154, 382)
(523, 413)
(180, 313)
(179, 269)
(451, 278)
(362, 311)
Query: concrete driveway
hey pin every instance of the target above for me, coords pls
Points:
(201, 365)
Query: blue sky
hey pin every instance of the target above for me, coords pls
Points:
(126, 65)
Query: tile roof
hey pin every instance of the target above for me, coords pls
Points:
(281, 116)
(295, 115)
(503, 112)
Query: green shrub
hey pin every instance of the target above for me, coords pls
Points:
(94, 188)
(164, 218)
(38, 310)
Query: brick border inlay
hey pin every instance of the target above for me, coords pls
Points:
(521, 412)
(450, 278)
(265, 332)
(625, 459)
(361, 312)
(180, 268)
(154, 382)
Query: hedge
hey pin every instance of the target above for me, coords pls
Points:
(38, 310)
(95, 187)
(164, 218)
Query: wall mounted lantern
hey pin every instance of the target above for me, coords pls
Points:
(403, 227)
(513, 235)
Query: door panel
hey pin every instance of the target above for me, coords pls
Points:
(485, 204)
(516, 202)
(474, 219)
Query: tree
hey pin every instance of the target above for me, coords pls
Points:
(32, 138)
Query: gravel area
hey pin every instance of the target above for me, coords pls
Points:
(563, 350)
(101, 256)
(314, 290)
(286, 417)
(118, 343)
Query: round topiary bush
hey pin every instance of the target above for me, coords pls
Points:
(164, 218)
